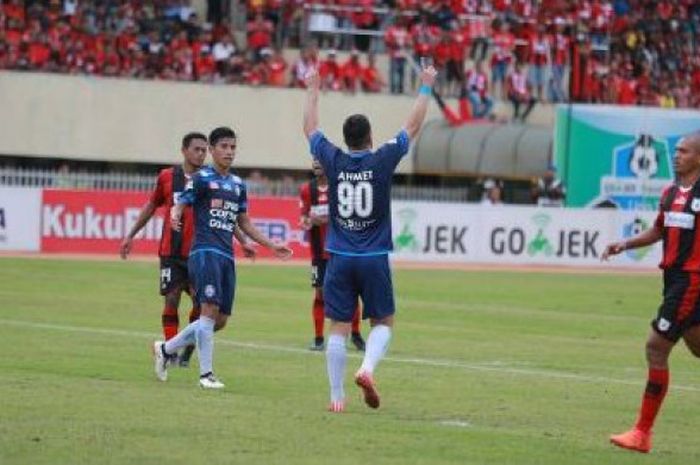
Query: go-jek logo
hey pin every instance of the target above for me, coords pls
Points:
(407, 239)
(540, 243)
(637, 226)
(564, 242)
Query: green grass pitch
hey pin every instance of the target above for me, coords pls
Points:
(484, 368)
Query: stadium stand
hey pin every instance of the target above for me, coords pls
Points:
(634, 52)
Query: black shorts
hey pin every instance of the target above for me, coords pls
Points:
(680, 308)
(318, 272)
(173, 275)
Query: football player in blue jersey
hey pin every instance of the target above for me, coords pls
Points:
(359, 232)
(220, 203)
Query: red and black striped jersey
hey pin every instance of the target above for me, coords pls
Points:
(314, 198)
(171, 182)
(678, 218)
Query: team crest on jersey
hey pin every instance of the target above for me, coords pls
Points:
(695, 204)
(213, 185)
(226, 186)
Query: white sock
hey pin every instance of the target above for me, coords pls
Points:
(182, 339)
(205, 344)
(335, 363)
(377, 344)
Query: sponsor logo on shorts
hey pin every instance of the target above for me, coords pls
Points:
(663, 324)
(209, 290)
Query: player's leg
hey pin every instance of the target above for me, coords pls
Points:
(340, 297)
(355, 335)
(170, 289)
(318, 270)
(217, 305)
(186, 353)
(692, 339)
(680, 292)
(378, 299)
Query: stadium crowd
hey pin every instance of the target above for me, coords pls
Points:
(631, 52)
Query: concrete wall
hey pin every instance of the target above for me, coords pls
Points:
(89, 118)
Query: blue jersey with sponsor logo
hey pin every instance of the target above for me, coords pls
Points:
(216, 201)
(359, 194)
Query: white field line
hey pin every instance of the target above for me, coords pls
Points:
(490, 367)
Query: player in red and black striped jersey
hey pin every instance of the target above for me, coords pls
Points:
(174, 245)
(678, 226)
(314, 218)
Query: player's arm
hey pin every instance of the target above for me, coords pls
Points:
(188, 196)
(311, 118)
(156, 200)
(145, 215)
(643, 239)
(247, 227)
(420, 108)
(248, 250)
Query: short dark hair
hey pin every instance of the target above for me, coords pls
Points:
(190, 136)
(357, 132)
(220, 133)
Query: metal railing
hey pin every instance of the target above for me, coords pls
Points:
(56, 179)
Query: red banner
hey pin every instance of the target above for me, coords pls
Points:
(96, 221)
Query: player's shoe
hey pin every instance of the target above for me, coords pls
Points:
(336, 406)
(634, 439)
(160, 360)
(183, 360)
(366, 383)
(318, 344)
(357, 341)
(209, 381)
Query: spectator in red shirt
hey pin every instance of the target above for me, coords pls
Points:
(276, 67)
(503, 44)
(519, 93)
(560, 59)
(626, 89)
(371, 79)
(540, 58)
(397, 40)
(351, 71)
(330, 73)
(259, 35)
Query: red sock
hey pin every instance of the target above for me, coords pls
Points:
(194, 314)
(318, 316)
(657, 385)
(356, 320)
(170, 322)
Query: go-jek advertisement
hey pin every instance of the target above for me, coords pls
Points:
(618, 157)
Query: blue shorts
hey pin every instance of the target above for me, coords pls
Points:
(367, 277)
(213, 277)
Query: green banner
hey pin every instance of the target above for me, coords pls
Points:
(618, 157)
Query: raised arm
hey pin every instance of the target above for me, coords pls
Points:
(420, 108)
(313, 83)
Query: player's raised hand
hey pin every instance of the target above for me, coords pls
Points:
(282, 251)
(612, 249)
(125, 247)
(312, 79)
(428, 75)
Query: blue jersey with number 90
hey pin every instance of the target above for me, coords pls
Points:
(359, 194)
